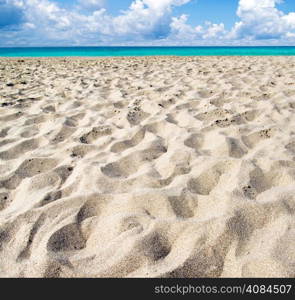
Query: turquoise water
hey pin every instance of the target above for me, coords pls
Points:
(144, 51)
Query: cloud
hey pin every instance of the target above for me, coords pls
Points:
(181, 31)
(260, 19)
(146, 18)
(45, 23)
(261, 22)
(214, 31)
(91, 5)
(143, 20)
(87, 22)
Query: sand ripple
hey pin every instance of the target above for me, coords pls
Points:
(147, 167)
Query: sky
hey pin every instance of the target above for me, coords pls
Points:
(146, 22)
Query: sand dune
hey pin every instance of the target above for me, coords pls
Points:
(147, 167)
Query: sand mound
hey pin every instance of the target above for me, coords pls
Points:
(147, 167)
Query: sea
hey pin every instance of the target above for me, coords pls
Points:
(145, 51)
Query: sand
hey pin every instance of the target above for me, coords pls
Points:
(147, 167)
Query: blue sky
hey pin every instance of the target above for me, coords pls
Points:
(146, 22)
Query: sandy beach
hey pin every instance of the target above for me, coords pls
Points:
(147, 167)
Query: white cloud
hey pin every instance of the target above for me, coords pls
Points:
(181, 30)
(147, 18)
(256, 4)
(289, 20)
(214, 31)
(45, 22)
(260, 19)
(43, 12)
(187, 33)
(145, 21)
(92, 4)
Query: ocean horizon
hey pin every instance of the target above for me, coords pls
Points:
(147, 51)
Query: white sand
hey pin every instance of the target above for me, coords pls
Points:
(147, 167)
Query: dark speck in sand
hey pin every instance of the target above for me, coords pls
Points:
(6, 104)
(10, 84)
(83, 140)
